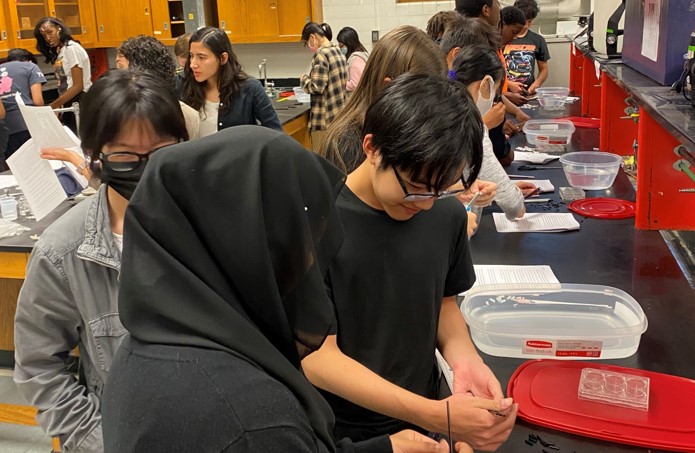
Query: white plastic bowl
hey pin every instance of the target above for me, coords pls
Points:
(552, 98)
(549, 132)
(301, 95)
(563, 321)
(591, 170)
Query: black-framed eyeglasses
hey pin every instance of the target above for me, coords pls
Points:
(123, 161)
(425, 195)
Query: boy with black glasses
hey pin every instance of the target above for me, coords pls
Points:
(395, 280)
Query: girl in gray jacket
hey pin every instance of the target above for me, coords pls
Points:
(70, 295)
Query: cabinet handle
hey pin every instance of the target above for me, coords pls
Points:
(166, 26)
(53, 12)
(101, 29)
(147, 11)
(84, 29)
(223, 24)
(19, 35)
(4, 35)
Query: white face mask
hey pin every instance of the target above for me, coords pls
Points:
(484, 105)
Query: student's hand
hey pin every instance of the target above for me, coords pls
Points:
(62, 154)
(510, 129)
(472, 223)
(526, 187)
(521, 118)
(494, 116)
(488, 189)
(409, 441)
(473, 423)
(473, 377)
(516, 98)
(532, 89)
(516, 87)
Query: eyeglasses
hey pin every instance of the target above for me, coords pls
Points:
(425, 195)
(123, 161)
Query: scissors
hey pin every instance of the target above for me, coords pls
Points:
(535, 167)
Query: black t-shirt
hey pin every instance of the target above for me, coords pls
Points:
(387, 284)
(521, 56)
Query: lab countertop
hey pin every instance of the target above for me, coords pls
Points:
(603, 252)
(290, 109)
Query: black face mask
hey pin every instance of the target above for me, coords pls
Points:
(123, 182)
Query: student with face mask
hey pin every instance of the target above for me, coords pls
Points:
(70, 294)
(479, 68)
(326, 81)
(356, 54)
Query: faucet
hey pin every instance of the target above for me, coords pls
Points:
(263, 74)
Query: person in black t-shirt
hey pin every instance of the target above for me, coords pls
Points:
(525, 52)
(395, 279)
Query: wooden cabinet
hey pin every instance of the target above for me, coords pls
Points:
(4, 33)
(117, 20)
(255, 21)
(22, 16)
(167, 19)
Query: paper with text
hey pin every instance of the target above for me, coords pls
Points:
(44, 126)
(493, 274)
(536, 222)
(650, 31)
(534, 158)
(37, 179)
(544, 184)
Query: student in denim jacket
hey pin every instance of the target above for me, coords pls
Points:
(70, 295)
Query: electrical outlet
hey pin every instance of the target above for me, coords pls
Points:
(375, 35)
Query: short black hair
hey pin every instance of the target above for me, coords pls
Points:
(321, 29)
(51, 53)
(21, 55)
(119, 96)
(511, 15)
(472, 8)
(437, 24)
(467, 31)
(428, 127)
(147, 54)
(529, 8)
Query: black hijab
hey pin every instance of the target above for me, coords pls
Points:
(228, 239)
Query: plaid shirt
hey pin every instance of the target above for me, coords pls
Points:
(326, 83)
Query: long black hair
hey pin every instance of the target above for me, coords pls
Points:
(348, 37)
(473, 63)
(320, 29)
(119, 96)
(229, 78)
(51, 53)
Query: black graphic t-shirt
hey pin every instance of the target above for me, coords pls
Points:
(521, 56)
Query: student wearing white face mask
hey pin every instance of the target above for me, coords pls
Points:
(480, 69)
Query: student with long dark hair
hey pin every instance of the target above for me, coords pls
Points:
(218, 88)
(356, 54)
(327, 80)
(70, 62)
(70, 294)
(219, 323)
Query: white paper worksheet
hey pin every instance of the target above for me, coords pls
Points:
(536, 222)
(534, 158)
(544, 184)
(44, 126)
(37, 179)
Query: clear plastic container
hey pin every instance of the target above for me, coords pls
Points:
(591, 170)
(549, 132)
(561, 321)
(301, 95)
(552, 98)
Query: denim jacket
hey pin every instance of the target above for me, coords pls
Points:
(69, 299)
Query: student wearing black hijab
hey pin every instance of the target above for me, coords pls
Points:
(222, 292)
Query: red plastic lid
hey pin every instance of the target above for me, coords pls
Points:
(603, 208)
(580, 121)
(547, 394)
